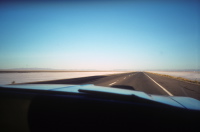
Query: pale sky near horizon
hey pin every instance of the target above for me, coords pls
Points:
(100, 35)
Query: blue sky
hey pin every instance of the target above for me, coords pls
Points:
(99, 35)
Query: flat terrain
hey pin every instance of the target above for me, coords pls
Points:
(27, 71)
(140, 81)
(191, 75)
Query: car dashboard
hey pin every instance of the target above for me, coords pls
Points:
(47, 107)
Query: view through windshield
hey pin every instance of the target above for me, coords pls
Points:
(151, 47)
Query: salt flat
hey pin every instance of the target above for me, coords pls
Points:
(8, 78)
(191, 75)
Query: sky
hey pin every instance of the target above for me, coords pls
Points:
(100, 35)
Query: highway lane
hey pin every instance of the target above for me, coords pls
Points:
(151, 84)
(177, 87)
(140, 81)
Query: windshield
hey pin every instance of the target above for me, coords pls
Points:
(151, 47)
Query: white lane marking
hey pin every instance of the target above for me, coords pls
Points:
(112, 83)
(160, 86)
(125, 78)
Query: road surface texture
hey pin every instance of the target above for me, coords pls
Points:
(151, 84)
(140, 81)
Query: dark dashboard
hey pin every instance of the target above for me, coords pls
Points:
(88, 108)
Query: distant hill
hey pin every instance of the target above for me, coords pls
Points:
(32, 69)
(50, 70)
(24, 69)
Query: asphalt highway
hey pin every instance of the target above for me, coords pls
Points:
(150, 84)
(139, 81)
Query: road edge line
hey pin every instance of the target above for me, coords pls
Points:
(170, 94)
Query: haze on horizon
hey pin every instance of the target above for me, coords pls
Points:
(100, 35)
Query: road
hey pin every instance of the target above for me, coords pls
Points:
(150, 84)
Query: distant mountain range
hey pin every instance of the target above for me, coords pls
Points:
(51, 69)
(29, 69)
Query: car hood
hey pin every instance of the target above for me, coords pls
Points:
(177, 101)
